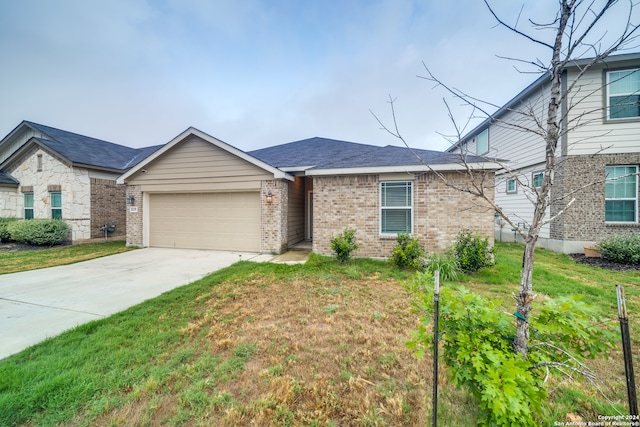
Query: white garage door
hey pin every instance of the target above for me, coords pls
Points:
(223, 221)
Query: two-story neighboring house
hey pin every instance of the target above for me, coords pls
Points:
(598, 155)
(50, 173)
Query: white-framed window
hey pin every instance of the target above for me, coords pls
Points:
(623, 94)
(512, 186)
(56, 204)
(396, 207)
(463, 147)
(28, 205)
(537, 178)
(482, 142)
(621, 194)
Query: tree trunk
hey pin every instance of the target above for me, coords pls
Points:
(524, 298)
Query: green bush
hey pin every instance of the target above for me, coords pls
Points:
(39, 231)
(408, 253)
(4, 233)
(478, 348)
(446, 263)
(473, 252)
(621, 249)
(343, 244)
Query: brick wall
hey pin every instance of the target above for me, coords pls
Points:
(584, 219)
(134, 219)
(274, 224)
(440, 212)
(108, 205)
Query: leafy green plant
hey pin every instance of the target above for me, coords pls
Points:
(621, 249)
(446, 263)
(408, 252)
(478, 347)
(39, 231)
(4, 233)
(343, 244)
(473, 252)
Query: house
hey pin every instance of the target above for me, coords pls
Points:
(601, 142)
(199, 192)
(51, 173)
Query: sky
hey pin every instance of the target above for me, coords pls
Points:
(257, 73)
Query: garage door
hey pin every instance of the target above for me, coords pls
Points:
(223, 221)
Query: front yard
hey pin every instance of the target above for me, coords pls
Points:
(319, 344)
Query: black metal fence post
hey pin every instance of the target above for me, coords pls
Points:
(436, 300)
(626, 349)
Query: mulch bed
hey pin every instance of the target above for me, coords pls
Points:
(604, 264)
(20, 247)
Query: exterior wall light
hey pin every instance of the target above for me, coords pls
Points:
(131, 199)
(269, 197)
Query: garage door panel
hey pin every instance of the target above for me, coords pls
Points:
(223, 221)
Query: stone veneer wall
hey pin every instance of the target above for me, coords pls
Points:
(274, 225)
(8, 202)
(134, 220)
(74, 186)
(108, 205)
(440, 212)
(584, 219)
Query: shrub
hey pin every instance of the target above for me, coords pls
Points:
(4, 233)
(621, 249)
(478, 348)
(407, 253)
(472, 251)
(343, 244)
(39, 231)
(446, 263)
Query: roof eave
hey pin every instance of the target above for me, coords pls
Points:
(277, 173)
(440, 167)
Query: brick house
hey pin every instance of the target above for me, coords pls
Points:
(199, 192)
(50, 173)
(601, 147)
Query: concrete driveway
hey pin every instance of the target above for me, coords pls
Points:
(39, 304)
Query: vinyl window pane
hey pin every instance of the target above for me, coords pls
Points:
(482, 142)
(396, 221)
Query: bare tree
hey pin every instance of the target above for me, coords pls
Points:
(577, 41)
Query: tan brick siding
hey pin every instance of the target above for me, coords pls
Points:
(440, 212)
(274, 222)
(134, 219)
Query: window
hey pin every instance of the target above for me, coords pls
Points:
(538, 177)
(621, 194)
(28, 205)
(396, 207)
(482, 142)
(56, 205)
(623, 94)
(512, 186)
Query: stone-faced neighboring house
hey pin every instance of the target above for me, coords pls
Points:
(602, 143)
(199, 192)
(51, 173)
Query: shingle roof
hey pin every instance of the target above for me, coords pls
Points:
(5, 178)
(315, 152)
(322, 153)
(89, 151)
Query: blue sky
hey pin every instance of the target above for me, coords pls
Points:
(254, 73)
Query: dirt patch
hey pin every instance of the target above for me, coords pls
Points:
(604, 264)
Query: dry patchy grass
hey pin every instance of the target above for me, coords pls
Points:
(322, 352)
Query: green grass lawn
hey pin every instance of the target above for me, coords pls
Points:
(13, 262)
(319, 344)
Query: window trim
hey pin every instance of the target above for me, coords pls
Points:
(533, 179)
(515, 186)
(24, 201)
(635, 219)
(607, 96)
(55, 208)
(485, 131)
(382, 208)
